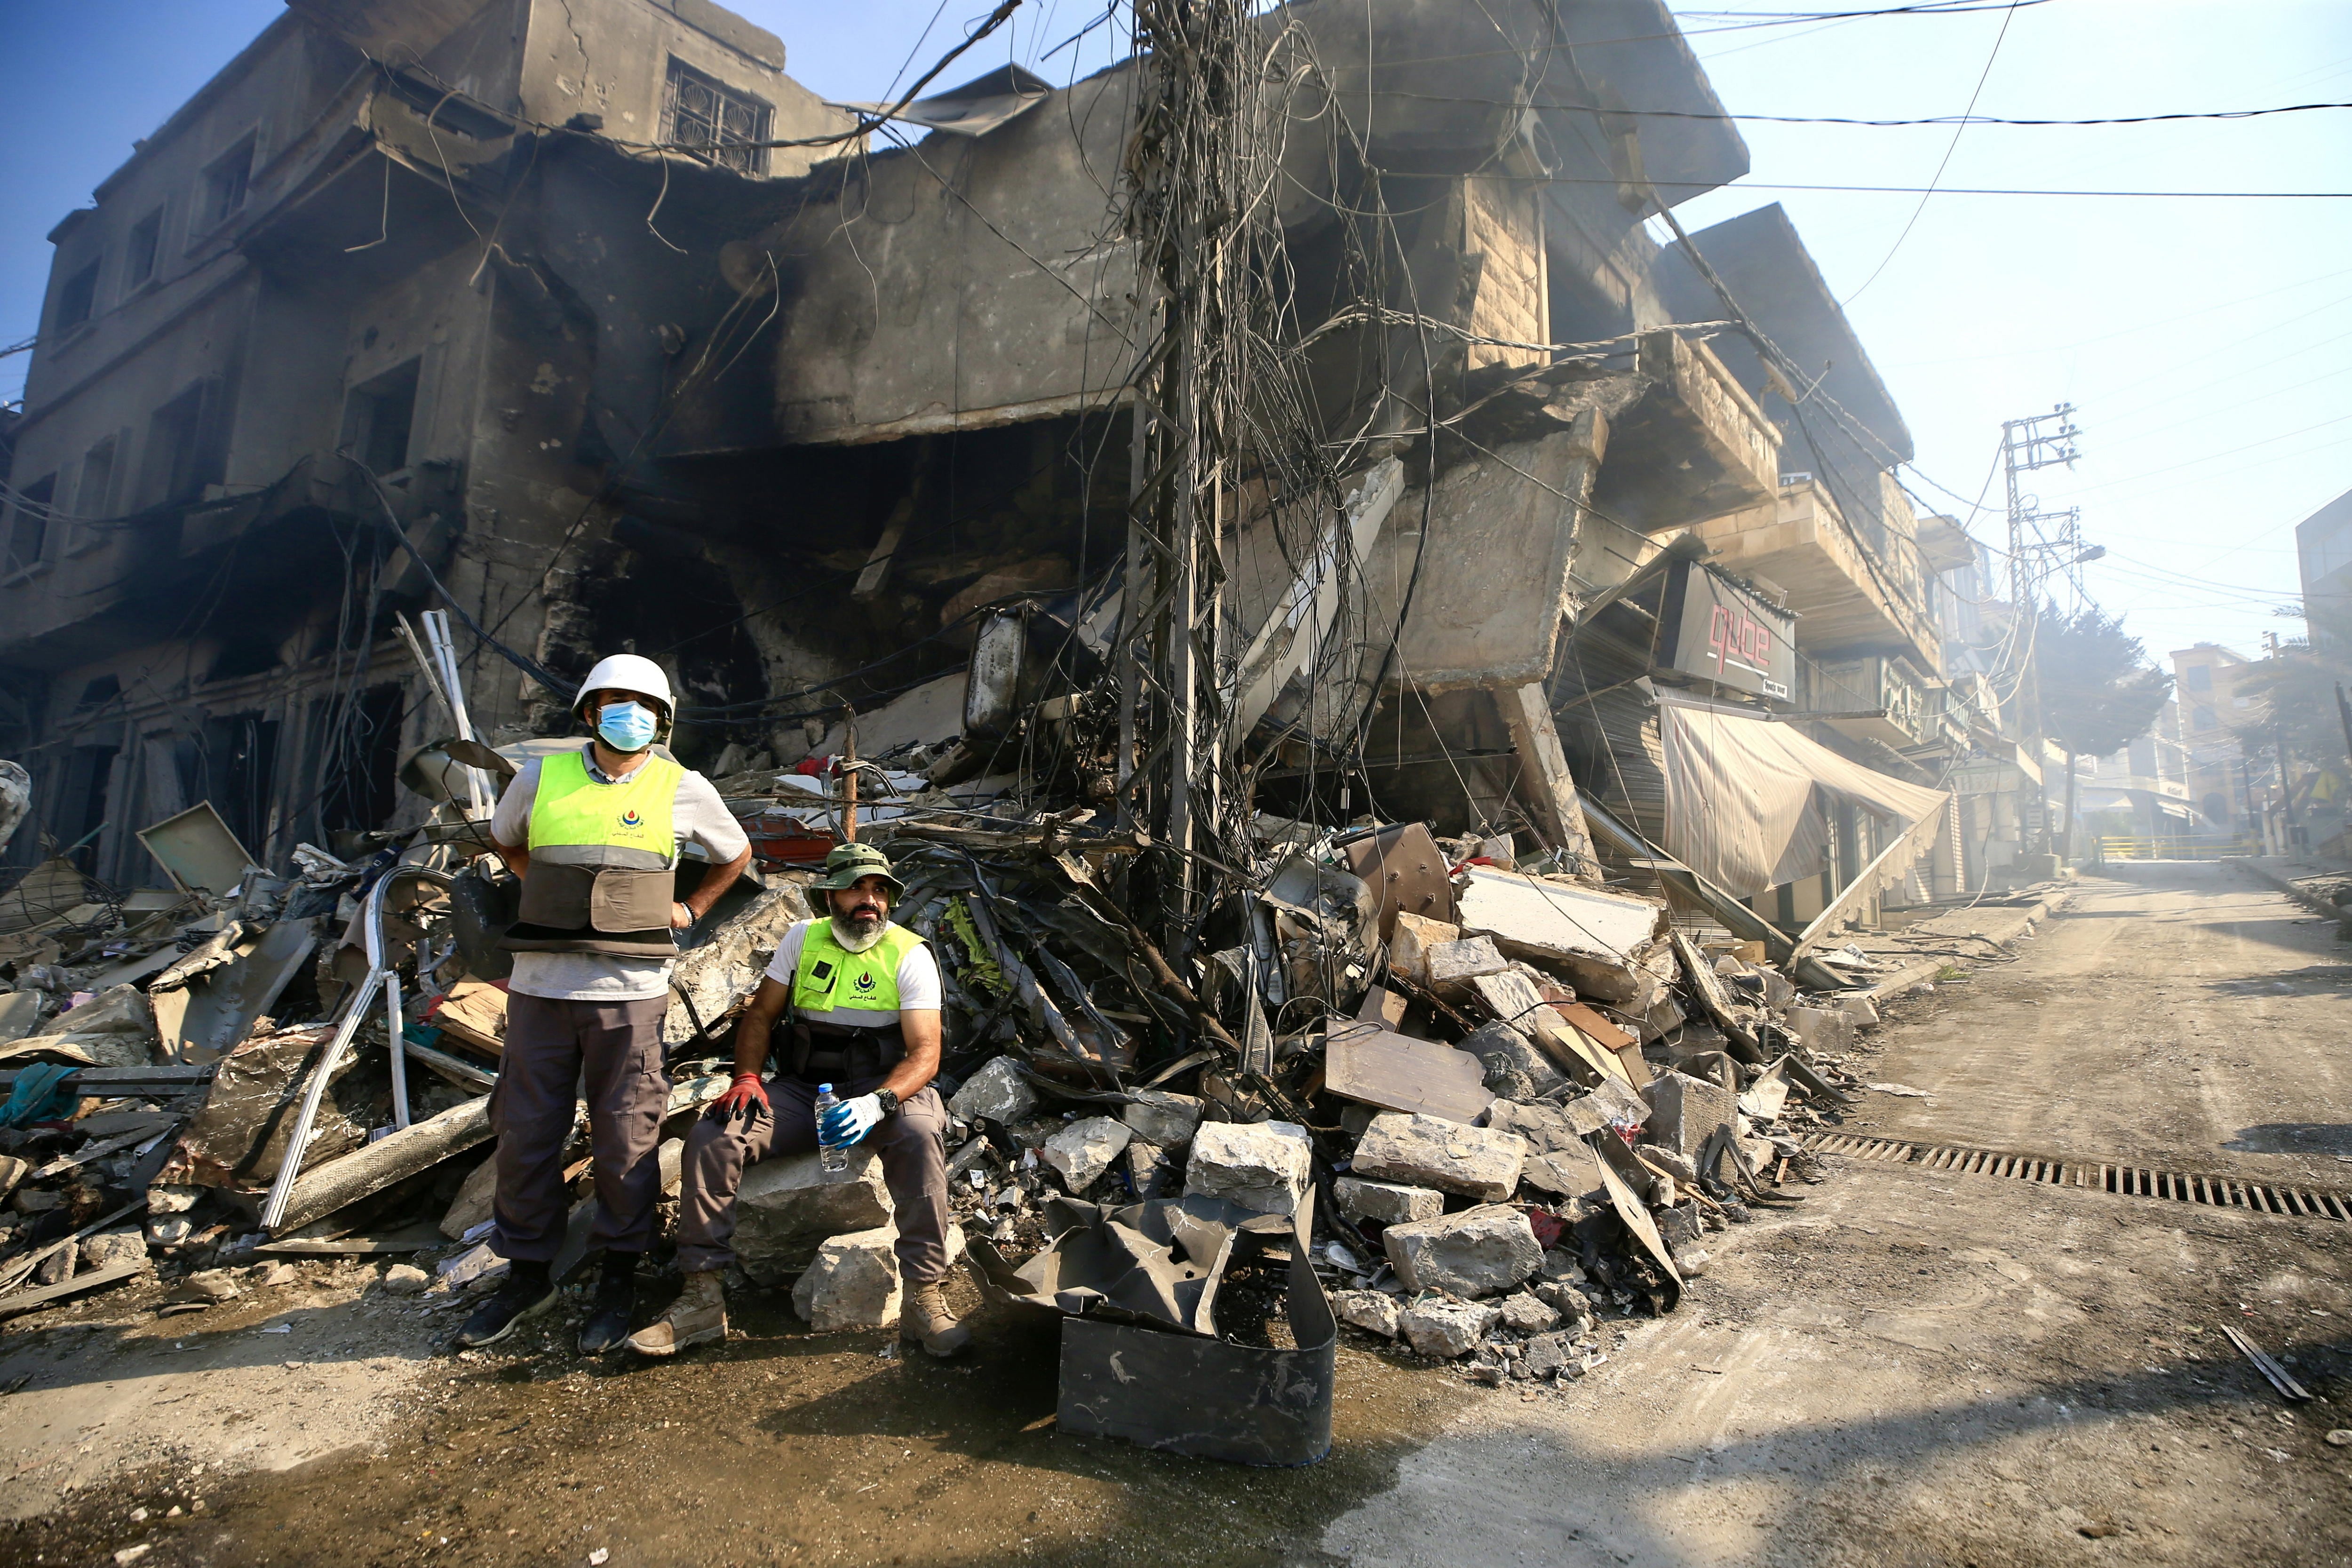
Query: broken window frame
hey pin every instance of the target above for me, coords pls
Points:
(77, 299)
(142, 250)
(28, 536)
(227, 187)
(365, 425)
(707, 133)
(93, 494)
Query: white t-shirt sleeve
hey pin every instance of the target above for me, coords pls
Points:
(918, 979)
(701, 818)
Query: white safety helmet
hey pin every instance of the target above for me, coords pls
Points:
(628, 672)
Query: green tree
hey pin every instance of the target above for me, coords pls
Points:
(2294, 693)
(2099, 693)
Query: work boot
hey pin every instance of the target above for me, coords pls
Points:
(616, 1298)
(697, 1317)
(527, 1293)
(925, 1319)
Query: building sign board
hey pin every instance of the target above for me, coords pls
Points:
(1718, 631)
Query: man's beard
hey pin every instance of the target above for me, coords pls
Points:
(860, 929)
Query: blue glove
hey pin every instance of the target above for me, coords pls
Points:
(850, 1120)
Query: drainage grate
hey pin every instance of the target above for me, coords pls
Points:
(2130, 1181)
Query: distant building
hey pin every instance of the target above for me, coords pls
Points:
(2205, 679)
(2323, 548)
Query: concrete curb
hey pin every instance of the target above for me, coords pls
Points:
(2002, 926)
(2308, 899)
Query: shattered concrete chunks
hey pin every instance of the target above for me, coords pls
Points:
(1477, 1252)
(1679, 1227)
(714, 977)
(1860, 1008)
(1524, 1314)
(1386, 1202)
(1261, 1165)
(109, 1247)
(407, 1280)
(997, 1092)
(1517, 1053)
(1368, 1310)
(1410, 945)
(787, 1209)
(1685, 1112)
(1162, 1118)
(1446, 1329)
(163, 1198)
(1673, 1163)
(1575, 1311)
(1560, 1267)
(113, 1029)
(853, 1283)
(1084, 1149)
(1431, 1151)
(1546, 1355)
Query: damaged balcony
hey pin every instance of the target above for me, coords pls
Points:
(1845, 597)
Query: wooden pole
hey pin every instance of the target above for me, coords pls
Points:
(849, 779)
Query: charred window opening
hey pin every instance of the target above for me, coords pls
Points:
(28, 525)
(250, 651)
(703, 112)
(82, 803)
(181, 458)
(378, 417)
(240, 773)
(227, 180)
(146, 240)
(77, 299)
(357, 794)
(95, 494)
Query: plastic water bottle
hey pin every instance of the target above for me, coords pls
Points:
(834, 1157)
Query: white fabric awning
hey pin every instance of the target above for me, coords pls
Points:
(1745, 795)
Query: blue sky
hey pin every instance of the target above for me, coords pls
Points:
(2206, 343)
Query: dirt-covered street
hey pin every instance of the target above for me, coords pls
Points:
(1907, 1366)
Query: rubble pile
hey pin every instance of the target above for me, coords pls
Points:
(1488, 1105)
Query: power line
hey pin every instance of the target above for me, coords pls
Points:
(1950, 148)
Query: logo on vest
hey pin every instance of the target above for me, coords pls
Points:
(630, 819)
(865, 987)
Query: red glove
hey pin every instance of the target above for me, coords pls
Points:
(741, 1098)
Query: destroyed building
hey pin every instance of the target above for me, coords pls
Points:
(1559, 724)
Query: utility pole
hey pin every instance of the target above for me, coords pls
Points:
(2038, 441)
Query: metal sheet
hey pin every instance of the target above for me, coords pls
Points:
(1210, 1398)
(197, 850)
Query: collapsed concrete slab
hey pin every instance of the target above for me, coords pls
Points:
(1478, 1252)
(787, 1209)
(1686, 1111)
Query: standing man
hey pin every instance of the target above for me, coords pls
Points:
(594, 834)
(864, 997)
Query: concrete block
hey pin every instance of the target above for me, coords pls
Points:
(1162, 1118)
(997, 1092)
(1820, 1028)
(109, 1247)
(1477, 1252)
(1386, 1202)
(787, 1209)
(1367, 1309)
(853, 1283)
(1546, 1355)
(1261, 1165)
(1431, 1151)
(1409, 946)
(1453, 965)
(1084, 1149)
(1524, 1314)
(1685, 1111)
(1575, 1309)
(1446, 1329)
(1861, 1009)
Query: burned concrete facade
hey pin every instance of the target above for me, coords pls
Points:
(827, 428)
(342, 326)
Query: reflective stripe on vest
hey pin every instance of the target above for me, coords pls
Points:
(830, 976)
(632, 816)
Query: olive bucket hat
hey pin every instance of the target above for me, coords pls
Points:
(845, 864)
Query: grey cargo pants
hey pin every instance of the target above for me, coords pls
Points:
(911, 1140)
(549, 1045)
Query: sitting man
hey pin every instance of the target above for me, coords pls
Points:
(864, 997)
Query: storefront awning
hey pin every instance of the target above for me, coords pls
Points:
(1745, 795)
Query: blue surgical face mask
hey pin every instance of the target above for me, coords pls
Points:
(627, 726)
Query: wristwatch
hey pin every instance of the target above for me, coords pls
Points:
(887, 1101)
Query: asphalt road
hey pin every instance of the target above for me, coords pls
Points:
(1907, 1367)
